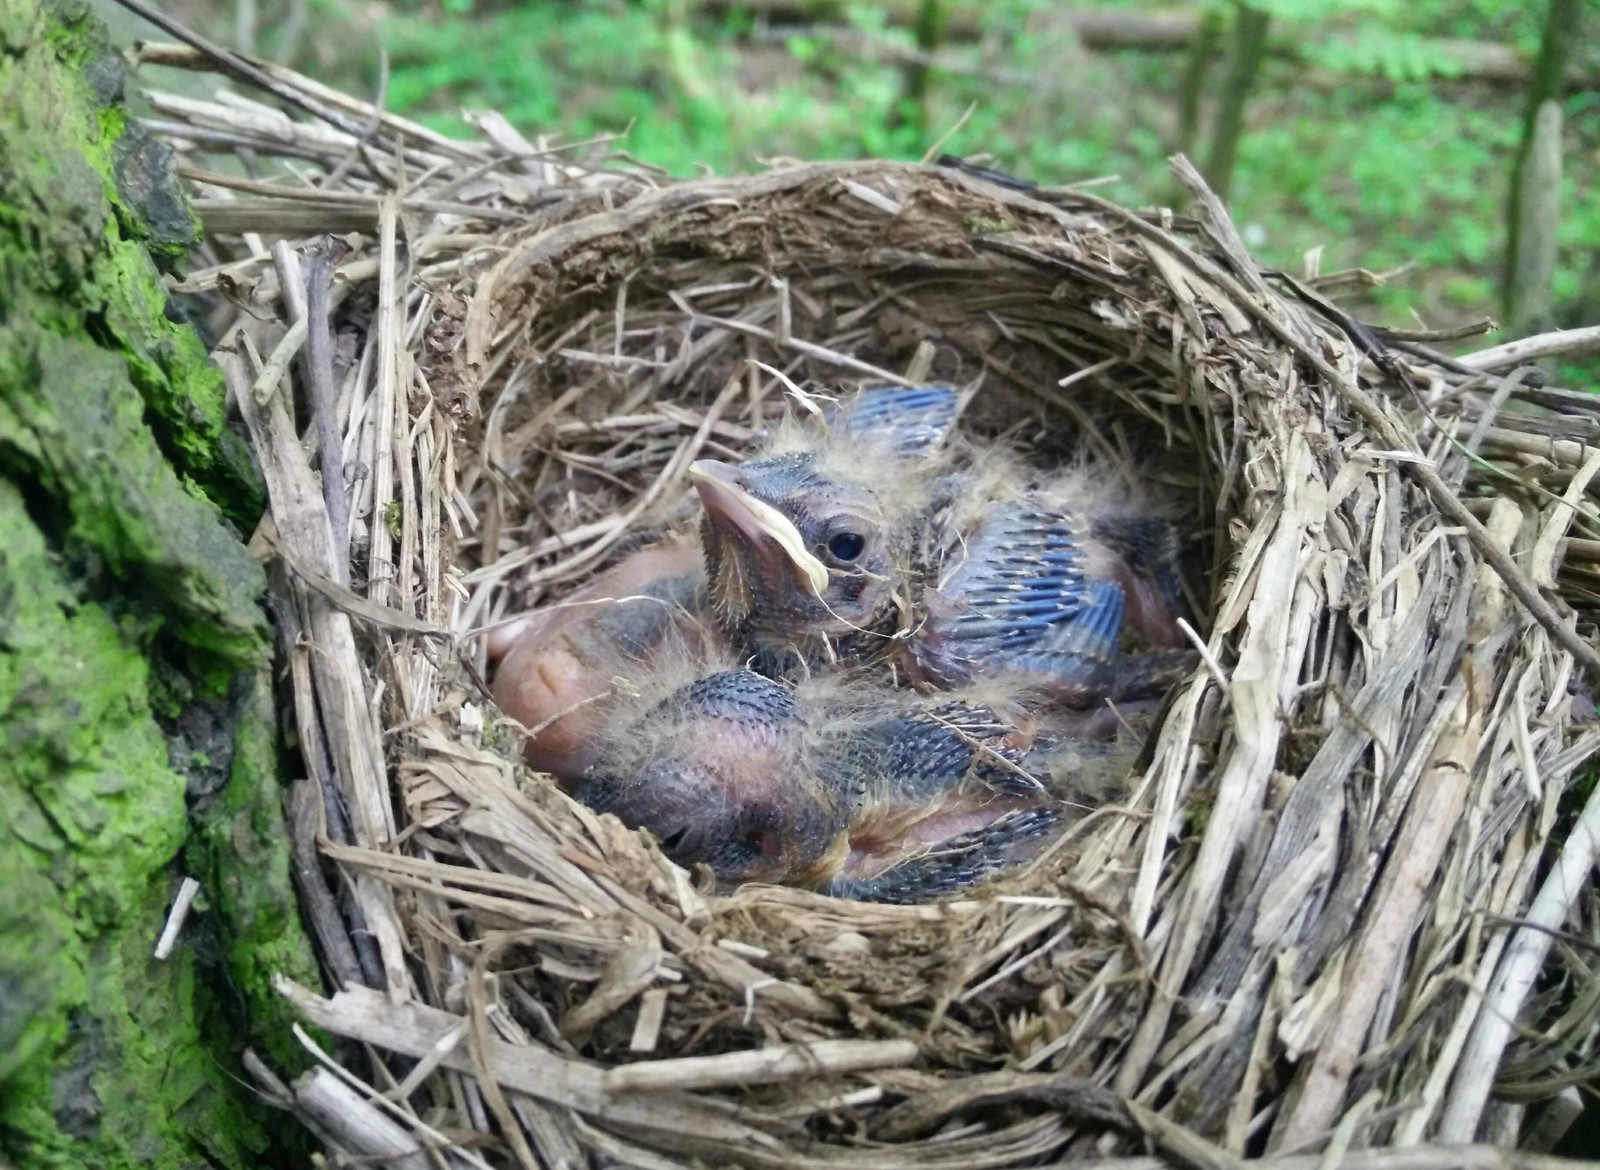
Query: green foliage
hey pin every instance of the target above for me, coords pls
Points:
(585, 69)
(1380, 209)
(1404, 162)
(1316, 11)
(1383, 53)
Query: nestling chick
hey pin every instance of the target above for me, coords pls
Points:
(841, 787)
(805, 545)
(558, 666)
(853, 544)
(1038, 582)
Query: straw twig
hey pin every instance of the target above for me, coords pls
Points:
(1562, 343)
(245, 69)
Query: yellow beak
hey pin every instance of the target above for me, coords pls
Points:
(724, 498)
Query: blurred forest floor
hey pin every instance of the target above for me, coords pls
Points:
(1358, 138)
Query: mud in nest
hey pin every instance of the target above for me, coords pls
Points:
(1301, 921)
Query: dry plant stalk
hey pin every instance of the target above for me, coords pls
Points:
(1299, 930)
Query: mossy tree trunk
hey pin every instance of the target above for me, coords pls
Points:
(136, 713)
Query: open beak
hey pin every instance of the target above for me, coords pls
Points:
(756, 522)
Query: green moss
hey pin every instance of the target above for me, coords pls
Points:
(980, 225)
(107, 1051)
(241, 852)
(135, 710)
(92, 215)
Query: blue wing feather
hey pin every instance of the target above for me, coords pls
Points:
(1022, 584)
(1021, 599)
(1095, 627)
(928, 754)
(955, 863)
(916, 418)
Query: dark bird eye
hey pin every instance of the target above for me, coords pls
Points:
(681, 843)
(846, 546)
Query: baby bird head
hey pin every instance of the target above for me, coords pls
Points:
(811, 544)
(791, 550)
(718, 771)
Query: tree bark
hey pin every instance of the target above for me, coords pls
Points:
(1530, 290)
(135, 703)
(1244, 64)
(1561, 23)
(1192, 88)
(930, 32)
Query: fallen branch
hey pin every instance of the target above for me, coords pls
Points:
(1165, 30)
(1561, 343)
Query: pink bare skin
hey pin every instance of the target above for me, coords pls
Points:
(557, 664)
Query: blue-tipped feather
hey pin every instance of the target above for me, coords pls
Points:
(1023, 585)
(955, 863)
(916, 419)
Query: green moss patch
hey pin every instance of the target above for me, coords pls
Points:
(134, 697)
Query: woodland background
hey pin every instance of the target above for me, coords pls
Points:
(1385, 133)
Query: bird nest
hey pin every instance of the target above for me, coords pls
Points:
(1336, 905)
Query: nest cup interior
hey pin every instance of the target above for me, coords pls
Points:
(616, 365)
